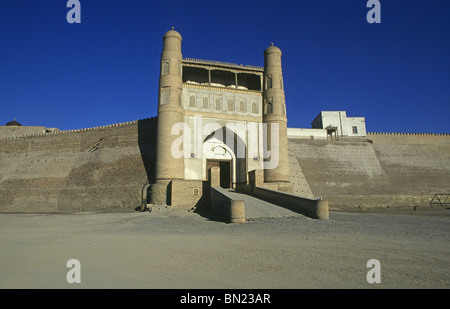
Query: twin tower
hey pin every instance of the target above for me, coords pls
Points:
(222, 93)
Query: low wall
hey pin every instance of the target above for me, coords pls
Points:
(312, 134)
(225, 207)
(18, 131)
(316, 209)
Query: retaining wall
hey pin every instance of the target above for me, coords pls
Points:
(393, 170)
(92, 169)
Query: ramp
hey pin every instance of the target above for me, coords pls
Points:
(256, 208)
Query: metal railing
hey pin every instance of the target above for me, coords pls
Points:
(224, 63)
(440, 199)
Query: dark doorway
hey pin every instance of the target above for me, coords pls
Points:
(225, 171)
(225, 174)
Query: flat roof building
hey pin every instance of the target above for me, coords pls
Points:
(338, 124)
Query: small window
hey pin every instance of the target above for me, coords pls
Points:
(230, 106)
(165, 67)
(269, 108)
(218, 104)
(205, 102)
(281, 82)
(355, 129)
(165, 95)
(284, 109)
(242, 106)
(192, 101)
(269, 82)
(254, 107)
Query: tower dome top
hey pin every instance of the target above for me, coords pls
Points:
(172, 33)
(13, 123)
(272, 49)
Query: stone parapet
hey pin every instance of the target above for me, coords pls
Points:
(226, 208)
(313, 208)
(105, 127)
(409, 134)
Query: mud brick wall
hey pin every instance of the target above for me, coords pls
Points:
(96, 169)
(386, 170)
(105, 169)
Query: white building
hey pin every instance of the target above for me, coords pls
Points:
(331, 125)
(337, 122)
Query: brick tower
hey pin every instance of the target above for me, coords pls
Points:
(170, 112)
(274, 112)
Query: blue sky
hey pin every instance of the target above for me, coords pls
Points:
(105, 70)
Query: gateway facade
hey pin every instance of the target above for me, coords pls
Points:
(218, 114)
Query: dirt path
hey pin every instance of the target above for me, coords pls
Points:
(175, 249)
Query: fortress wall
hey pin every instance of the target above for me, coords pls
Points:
(393, 170)
(96, 169)
(416, 163)
(13, 131)
(105, 169)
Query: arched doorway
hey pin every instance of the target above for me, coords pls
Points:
(225, 149)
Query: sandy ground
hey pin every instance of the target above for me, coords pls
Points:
(179, 249)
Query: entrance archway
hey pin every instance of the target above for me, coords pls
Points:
(217, 152)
